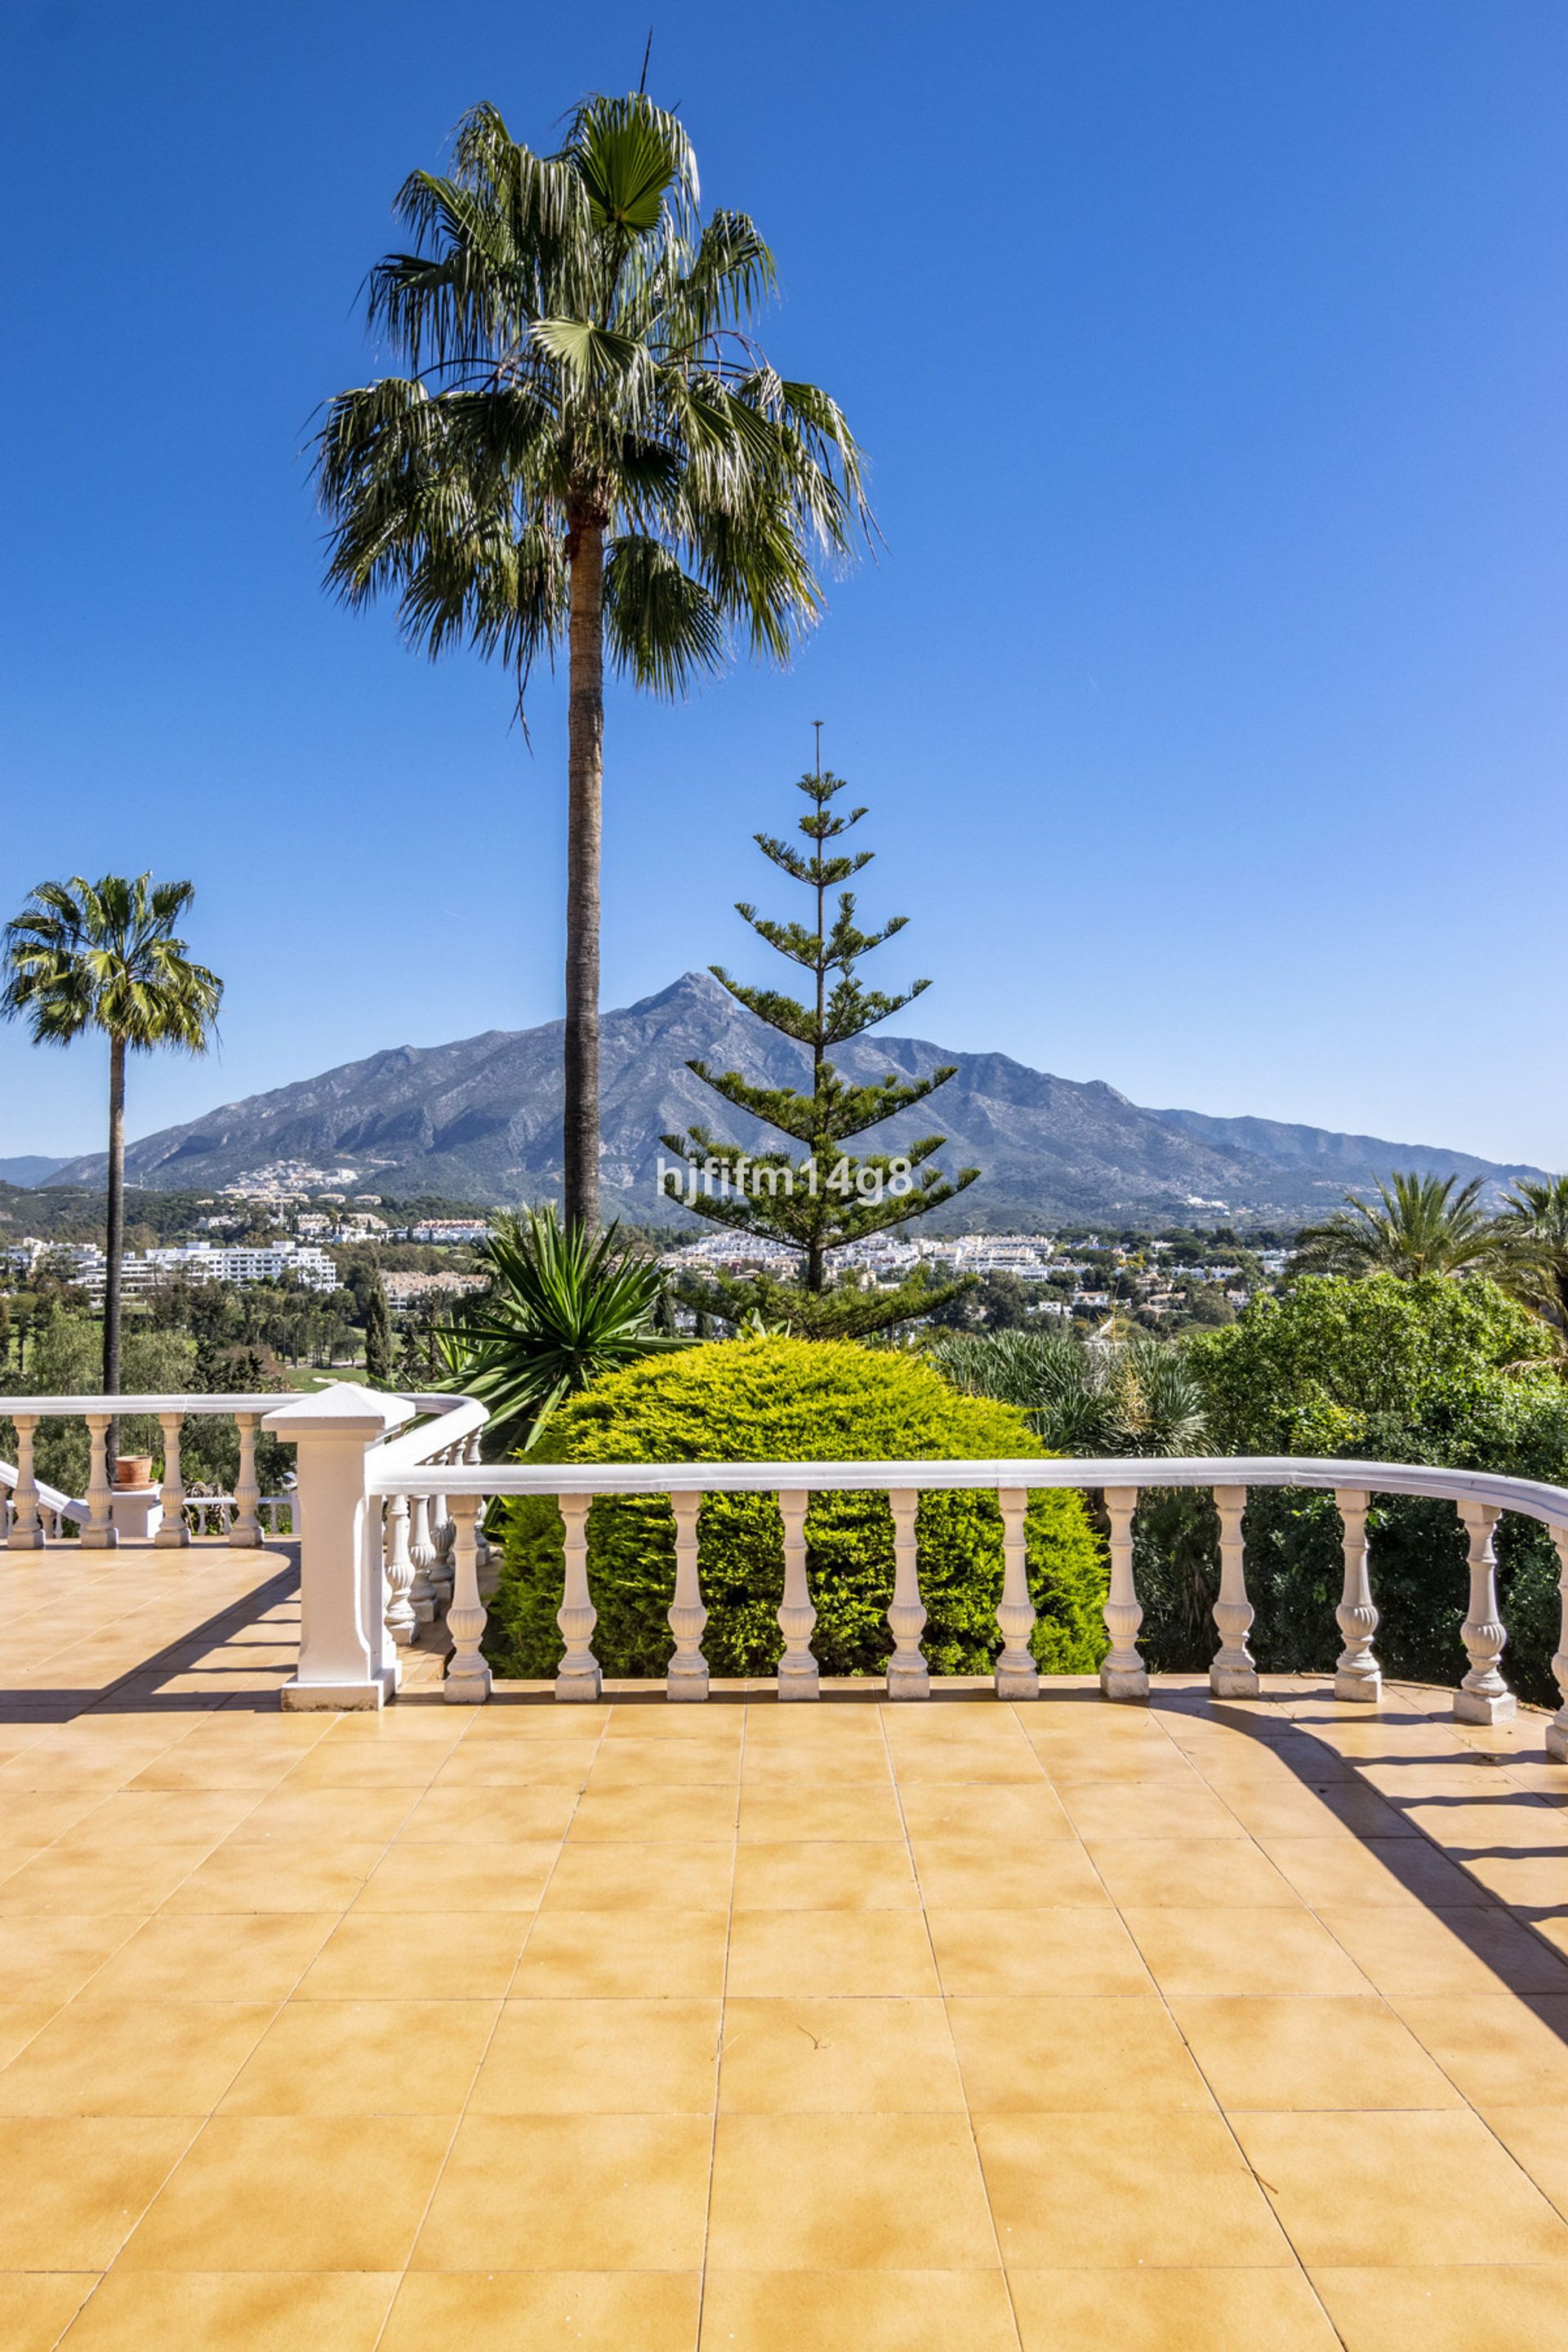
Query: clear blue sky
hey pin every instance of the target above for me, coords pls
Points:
(1208, 693)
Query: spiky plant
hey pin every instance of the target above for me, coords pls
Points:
(1416, 1225)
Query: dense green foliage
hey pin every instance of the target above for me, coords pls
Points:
(1423, 1370)
(1132, 1396)
(792, 1401)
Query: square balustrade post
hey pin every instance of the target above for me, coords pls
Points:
(346, 1657)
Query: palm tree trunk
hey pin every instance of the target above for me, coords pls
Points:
(585, 774)
(115, 1248)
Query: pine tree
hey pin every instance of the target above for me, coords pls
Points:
(378, 1348)
(827, 1198)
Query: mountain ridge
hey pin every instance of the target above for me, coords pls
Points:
(478, 1118)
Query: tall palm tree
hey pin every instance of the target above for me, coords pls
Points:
(589, 447)
(104, 955)
(1416, 1226)
(1531, 1234)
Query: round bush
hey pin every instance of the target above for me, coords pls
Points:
(778, 1400)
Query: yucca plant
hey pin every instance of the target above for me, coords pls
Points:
(564, 1307)
(1089, 1398)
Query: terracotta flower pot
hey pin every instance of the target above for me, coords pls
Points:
(133, 1469)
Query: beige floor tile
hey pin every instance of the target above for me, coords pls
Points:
(1104, 1810)
(592, 2311)
(355, 1766)
(20, 2023)
(192, 1957)
(652, 1764)
(819, 2057)
(1170, 2311)
(1073, 2054)
(823, 2192)
(72, 2187)
(1537, 2138)
(512, 1717)
(363, 2058)
(518, 1764)
(1502, 2050)
(1286, 1808)
(780, 1768)
(229, 1769)
(553, 2057)
(960, 1877)
(826, 1875)
(654, 1813)
(448, 1815)
(79, 1880)
(148, 2311)
(1003, 1813)
(1407, 1949)
(132, 2058)
(861, 1815)
(394, 1955)
(858, 2311)
(292, 1815)
(149, 1817)
(674, 1877)
(29, 1820)
(1257, 2051)
(1070, 1950)
(1388, 1870)
(1362, 2190)
(35, 2306)
(51, 1958)
(818, 1955)
(647, 1955)
(435, 1878)
(1535, 1882)
(294, 2193)
(1274, 1951)
(323, 1876)
(599, 2193)
(950, 1762)
(1465, 2307)
(1510, 1818)
(1096, 2191)
(1191, 1873)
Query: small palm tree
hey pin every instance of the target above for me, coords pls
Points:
(1416, 1226)
(104, 955)
(564, 1307)
(1532, 1236)
(589, 448)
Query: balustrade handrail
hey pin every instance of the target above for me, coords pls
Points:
(1531, 1497)
(454, 1420)
(61, 1408)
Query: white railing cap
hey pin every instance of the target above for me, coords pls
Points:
(1529, 1496)
(61, 1408)
(343, 1410)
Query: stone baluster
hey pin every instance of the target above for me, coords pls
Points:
(483, 1548)
(173, 1533)
(578, 1675)
(468, 1682)
(908, 1676)
(100, 1534)
(686, 1677)
(1557, 1729)
(400, 1617)
(1357, 1675)
(26, 1530)
(1234, 1673)
(1122, 1674)
(442, 1535)
(1018, 1676)
(1483, 1697)
(798, 1674)
(422, 1552)
(245, 1527)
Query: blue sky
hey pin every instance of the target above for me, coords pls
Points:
(1208, 693)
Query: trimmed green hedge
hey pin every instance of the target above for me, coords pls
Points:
(780, 1400)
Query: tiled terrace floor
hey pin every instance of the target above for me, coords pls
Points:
(637, 2028)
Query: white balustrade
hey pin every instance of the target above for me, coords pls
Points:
(1483, 1697)
(172, 1533)
(422, 1552)
(578, 1675)
(1357, 1675)
(686, 1677)
(1234, 1672)
(401, 1623)
(908, 1676)
(100, 1534)
(26, 1528)
(1122, 1674)
(245, 1527)
(1017, 1676)
(798, 1676)
(468, 1682)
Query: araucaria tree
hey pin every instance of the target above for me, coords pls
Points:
(104, 955)
(823, 1198)
(589, 448)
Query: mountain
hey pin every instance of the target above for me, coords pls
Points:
(28, 1170)
(480, 1120)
